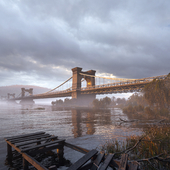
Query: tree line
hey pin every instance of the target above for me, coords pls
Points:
(154, 99)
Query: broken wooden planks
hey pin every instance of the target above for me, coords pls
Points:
(83, 160)
(28, 145)
(123, 162)
(106, 162)
(97, 161)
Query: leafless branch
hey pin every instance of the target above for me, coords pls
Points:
(134, 120)
(128, 150)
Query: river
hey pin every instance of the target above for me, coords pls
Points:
(83, 127)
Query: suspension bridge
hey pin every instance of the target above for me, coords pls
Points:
(86, 85)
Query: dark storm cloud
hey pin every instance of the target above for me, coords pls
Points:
(45, 39)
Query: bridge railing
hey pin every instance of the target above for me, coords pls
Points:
(117, 84)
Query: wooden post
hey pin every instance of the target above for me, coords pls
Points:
(123, 162)
(60, 153)
(9, 156)
(25, 164)
(38, 143)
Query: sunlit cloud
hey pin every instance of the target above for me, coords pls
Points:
(122, 39)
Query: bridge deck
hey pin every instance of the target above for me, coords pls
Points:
(122, 87)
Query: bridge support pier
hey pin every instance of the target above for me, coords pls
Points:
(27, 101)
(82, 99)
(11, 101)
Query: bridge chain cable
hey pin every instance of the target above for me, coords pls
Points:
(18, 95)
(59, 85)
(123, 79)
(70, 88)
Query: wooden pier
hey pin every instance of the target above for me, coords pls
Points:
(29, 145)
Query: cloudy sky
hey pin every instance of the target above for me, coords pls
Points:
(42, 40)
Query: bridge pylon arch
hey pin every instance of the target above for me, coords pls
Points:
(26, 100)
(11, 95)
(82, 99)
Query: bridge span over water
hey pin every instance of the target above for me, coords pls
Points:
(73, 87)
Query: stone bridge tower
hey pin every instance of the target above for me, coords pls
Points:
(82, 99)
(26, 100)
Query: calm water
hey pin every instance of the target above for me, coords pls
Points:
(86, 128)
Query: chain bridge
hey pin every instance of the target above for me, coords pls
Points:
(86, 85)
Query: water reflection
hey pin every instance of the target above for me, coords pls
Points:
(76, 122)
(85, 121)
(25, 108)
(90, 123)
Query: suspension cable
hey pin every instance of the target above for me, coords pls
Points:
(71, 87)
(105, 77)
(18, 95)
(123, 79)
(59, 85)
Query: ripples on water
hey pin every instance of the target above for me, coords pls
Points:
(86, 128)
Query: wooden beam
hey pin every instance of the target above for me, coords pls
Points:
(97, 161)
(60, 153)
(42, 145)
(21, 136)
(87, 166)
(123, 162)
(106, 162)
(115, 163)
(83, 160)
(17, 149)
(25, 164)
(77, 148)
(45, 149)
(30, 138)
(35, 141)
(9, 153)
(33, 162)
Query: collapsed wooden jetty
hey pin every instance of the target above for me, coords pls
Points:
(29, 145)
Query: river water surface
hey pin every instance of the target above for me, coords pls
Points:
(86, 128)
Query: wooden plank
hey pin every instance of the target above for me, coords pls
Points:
(24, 135)
(33, 162)
(45, 149)
(42, 145)
(106, 162)
(29, 138)
(77, 148)
(17, 149)
(114, 163)
(35, 141)
(83, 160)
(25, 164)
(9, 154)
(87, 166)
(133, 165)
(97, 161)
(123, 162)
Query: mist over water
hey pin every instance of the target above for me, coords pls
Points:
(87, 128)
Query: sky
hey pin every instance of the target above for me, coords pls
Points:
(41, 41)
